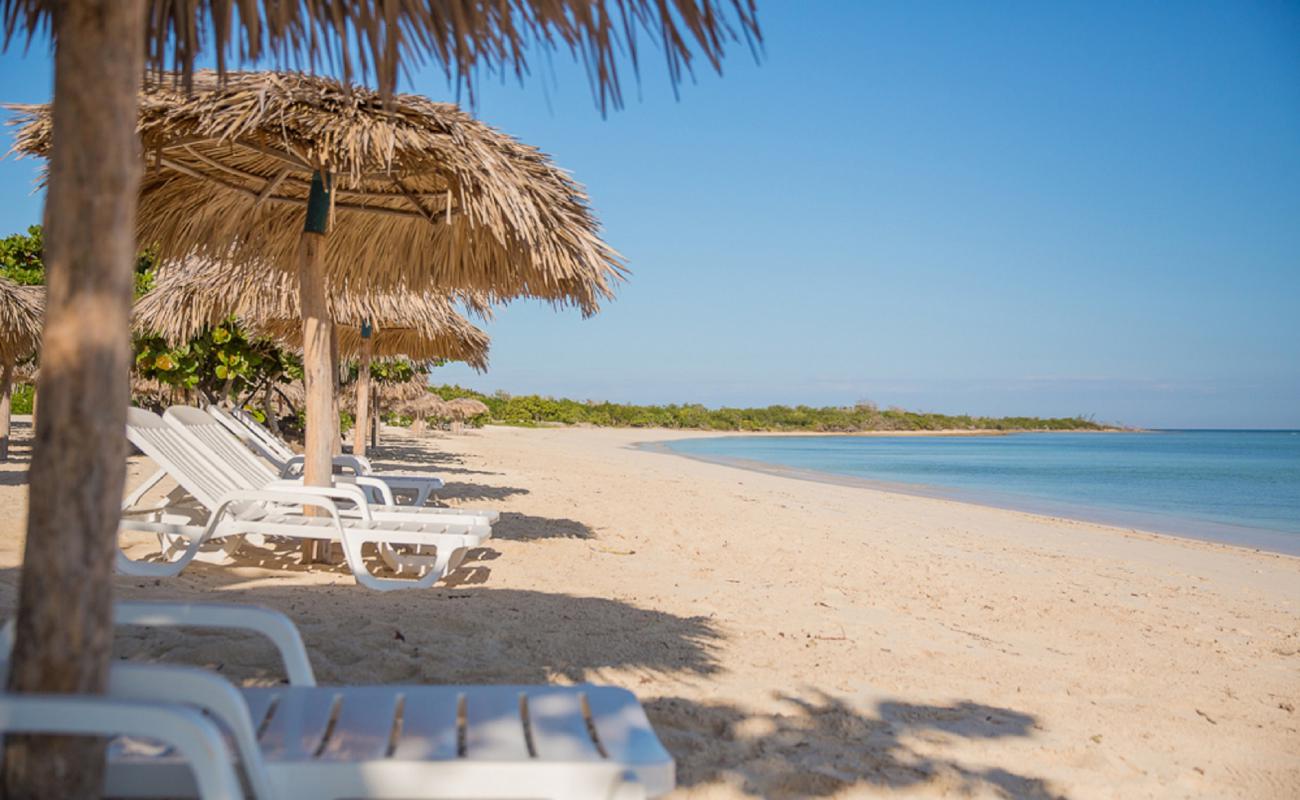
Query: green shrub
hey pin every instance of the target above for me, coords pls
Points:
(22, 399)
(531, 410)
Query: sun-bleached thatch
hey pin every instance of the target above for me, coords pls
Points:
(22, 309)
(459, 36)
(191, 296)
(425, 196)
(389, 395)
(427, 405)
(465, 408)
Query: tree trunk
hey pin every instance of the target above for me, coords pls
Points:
(78, 469)
(6, 405)
(268, 407)
(361, 426)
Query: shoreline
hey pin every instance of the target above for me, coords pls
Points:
(1127, 522)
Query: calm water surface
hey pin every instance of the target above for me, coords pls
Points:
(1236, 486)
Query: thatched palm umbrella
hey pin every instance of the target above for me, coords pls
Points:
(426, 405)
(100, 50)
(421, 325)
(21, 309)
(189, 296)
(466, 408)
(392, 395)
(413, 194)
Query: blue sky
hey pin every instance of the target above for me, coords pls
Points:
(1000, 208)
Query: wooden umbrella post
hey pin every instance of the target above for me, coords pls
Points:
(6, 405)
(361, 427)
(316, 350)
(336, 388)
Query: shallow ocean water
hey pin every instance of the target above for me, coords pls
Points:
(1241, 487)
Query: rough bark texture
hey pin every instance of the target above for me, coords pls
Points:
(78, 464)
(362, 426)
(6, 406)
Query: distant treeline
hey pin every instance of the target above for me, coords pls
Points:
(536, 410)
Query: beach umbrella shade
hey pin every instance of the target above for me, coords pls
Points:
(466, 408)
(192, 295)
(101, 48)
(251, 172)
(394, 395)
(432, 406)
(21, 310)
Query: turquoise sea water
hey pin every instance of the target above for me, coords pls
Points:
(1241, 487)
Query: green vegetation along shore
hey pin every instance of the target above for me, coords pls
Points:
(533, 409)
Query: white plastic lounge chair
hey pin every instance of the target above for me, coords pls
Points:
(276, 511)
(383, 742)
(194, 741)
(253, 473)
(254, 435)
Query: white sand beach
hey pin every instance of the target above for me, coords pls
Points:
(799, 639)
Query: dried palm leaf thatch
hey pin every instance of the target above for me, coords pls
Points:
(424, 195)
(426, 406)
(293, 392)
(401, 391)
(461, 36)
(464, 408)
(451, 339)
(189, 296)
(390, 395)
(22, 309)
(27, 372)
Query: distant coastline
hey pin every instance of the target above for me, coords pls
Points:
(863, 418)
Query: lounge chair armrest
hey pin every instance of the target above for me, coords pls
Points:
(404, 481)
(384, 491)
(269, 623)
(360, 463)
(144, 512)
(293, 466)
(290, 495)
(349, 494)
(194, 737)
(358, 466)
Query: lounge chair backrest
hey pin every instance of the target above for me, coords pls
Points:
(177, 452)
(266, 446)
(232, 455)
(259, 431)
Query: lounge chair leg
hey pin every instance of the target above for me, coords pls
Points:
(172, 544)
(444, 559)
(363, 576)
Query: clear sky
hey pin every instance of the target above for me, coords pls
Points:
(998, 208)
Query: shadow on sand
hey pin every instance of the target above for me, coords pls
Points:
(413, 455)
(812, 745)
(819, 746)
(462, 635)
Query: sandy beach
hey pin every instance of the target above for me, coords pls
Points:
(798, 639)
